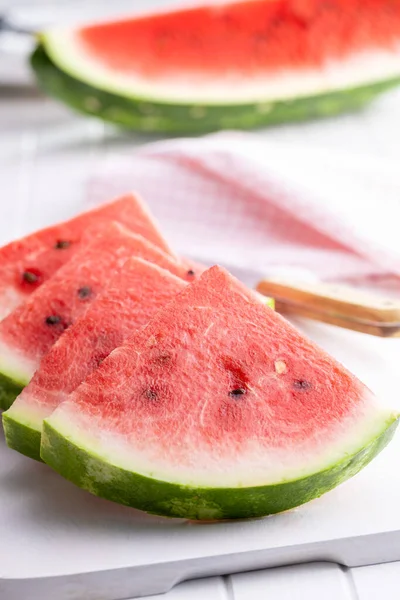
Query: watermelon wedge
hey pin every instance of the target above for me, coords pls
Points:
(239, 64)
(28, 262)
(217, 409)
(131, 299)
(29, 332)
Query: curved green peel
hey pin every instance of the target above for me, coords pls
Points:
(9, 390)
(20, 436)
(89, 471)
(150, 116)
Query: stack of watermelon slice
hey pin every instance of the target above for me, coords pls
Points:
(154, 385)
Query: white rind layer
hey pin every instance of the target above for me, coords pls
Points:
(15, 366)
(28, 410)
(252, 465)
(9, 298)
(68, 52)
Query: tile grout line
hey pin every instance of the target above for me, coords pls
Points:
(228, 587)
(351, 584)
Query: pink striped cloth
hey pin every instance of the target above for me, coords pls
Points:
(261, 207)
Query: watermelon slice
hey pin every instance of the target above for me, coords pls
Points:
(217, 409)
(134, 295)
(34, 326)
(28, 262)
(235, 65)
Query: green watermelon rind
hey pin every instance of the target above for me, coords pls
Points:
(78, 464)
(10, 388)
(150, 115)
(22, 436)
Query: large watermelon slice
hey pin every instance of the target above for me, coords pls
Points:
(217, 409)
(33, 327)
(28, 262)
(235, 65)
(131, 299)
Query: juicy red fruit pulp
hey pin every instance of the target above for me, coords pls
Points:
(34, 326)
(27, 263)
(33, 271)
(219, 368)
(245, 37)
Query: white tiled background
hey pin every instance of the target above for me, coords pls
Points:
(32, 128)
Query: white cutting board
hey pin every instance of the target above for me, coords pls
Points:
(59, 543)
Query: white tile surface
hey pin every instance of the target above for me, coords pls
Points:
(295, 583)
(314, 581)
(377, 582)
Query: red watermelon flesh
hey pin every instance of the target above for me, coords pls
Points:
(219, 404)
(34, 326)
(131, 299)
(248, 38)
(28, 262)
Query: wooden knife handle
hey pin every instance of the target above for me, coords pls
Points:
(335, 304)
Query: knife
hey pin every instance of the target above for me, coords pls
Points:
(335, 304)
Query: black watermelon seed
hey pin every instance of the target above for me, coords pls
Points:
(53, 320)
(84, 292)
(301, 384)
(191, 273)
(150, 394)
(62, 244)
(163, 359)
(30, 277)
(237, 392)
